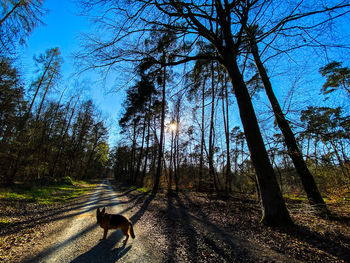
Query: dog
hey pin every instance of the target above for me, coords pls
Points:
(111, 221)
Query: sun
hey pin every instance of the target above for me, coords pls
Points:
(173, 126)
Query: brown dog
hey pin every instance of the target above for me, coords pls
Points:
(110, 221)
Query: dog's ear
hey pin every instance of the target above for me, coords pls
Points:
(98, 211)
(103, 210)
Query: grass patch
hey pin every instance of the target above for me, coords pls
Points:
(4, 222)
(292, 197)
(14, 196)
(125, 187)
(143, 190)
(47, 194)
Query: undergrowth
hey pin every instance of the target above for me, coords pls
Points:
(48, 194)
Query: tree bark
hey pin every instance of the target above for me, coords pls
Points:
(211, 136)
(227, 138)
(133, 154)
(43, 98)
(160, 149)
(21, 2)
(201, 157)
(61, 144)
(171, 162)
(176, 152)
(306, 177)
(40, 83)
(141, 149)
(274, 211)
(147, 143)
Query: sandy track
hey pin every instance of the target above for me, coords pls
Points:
(77, 240)
(165, 232)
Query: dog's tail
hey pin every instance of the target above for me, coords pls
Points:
(131, 230)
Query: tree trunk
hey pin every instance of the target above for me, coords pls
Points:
(274, 211)
(23, 122)
(307, 179)
(211, 136)
(61, 145)
(133, 154)
(171, 162)
(176, 144)
(40, 83)
(147, 145)
(141, 150)
(160, 149)
(227, 138)
(308, 147)
(201, 157)
(85, 173)
(21, 2)
(56, 112)
(43, 98)
(340, 161)
(176, 158)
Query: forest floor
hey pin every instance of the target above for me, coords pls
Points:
(187, 227)
(195, 227)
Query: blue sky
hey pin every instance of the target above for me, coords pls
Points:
(62, 28)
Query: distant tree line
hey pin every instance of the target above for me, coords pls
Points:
(46, 135)
(45, 140)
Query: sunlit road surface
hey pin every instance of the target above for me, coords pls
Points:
(79, 241)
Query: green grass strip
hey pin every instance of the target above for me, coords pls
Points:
(47, 194)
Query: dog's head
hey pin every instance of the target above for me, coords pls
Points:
(100, 214)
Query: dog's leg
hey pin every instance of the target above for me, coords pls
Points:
(125, 230)
(126, 240)
(105, 233)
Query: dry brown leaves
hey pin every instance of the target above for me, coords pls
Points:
(175, 223)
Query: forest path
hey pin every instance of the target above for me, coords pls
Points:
(78, 240)
(166, 231)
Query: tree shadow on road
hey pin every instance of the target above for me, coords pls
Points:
(105, 251)
(200, 231)
(175, 227)
(136, 217)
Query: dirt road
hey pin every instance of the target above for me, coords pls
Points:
(163, 234)
(169, 227)
(79, 239)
